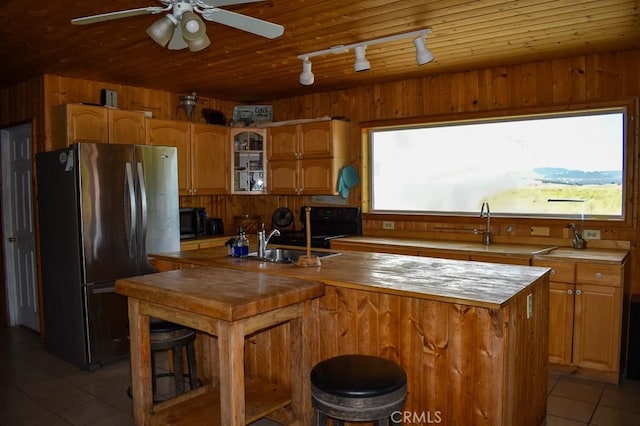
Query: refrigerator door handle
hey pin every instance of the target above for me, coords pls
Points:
(130, 221)
(143, 201)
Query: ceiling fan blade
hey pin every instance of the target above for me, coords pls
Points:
(116, 15)
(244, 22)
(218, 3)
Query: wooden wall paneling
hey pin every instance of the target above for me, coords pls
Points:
(461, 347)
(544, 86)
(347, 317)
(389, 342)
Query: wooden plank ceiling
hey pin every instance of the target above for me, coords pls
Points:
(37, 37)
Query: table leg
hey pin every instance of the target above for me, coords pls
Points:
(231, 356)
(303, 345)
(140, 349)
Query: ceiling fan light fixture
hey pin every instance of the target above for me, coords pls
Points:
(306, 76)
(200, 43)
(361, 63)
(192, 26)
(423, 54)
(162, 30)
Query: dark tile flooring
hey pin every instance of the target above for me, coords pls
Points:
(39, 389)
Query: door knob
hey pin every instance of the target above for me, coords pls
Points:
(12, 239)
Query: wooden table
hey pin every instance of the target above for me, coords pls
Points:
(227, 305)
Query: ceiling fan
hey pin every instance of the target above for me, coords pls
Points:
(181, 27)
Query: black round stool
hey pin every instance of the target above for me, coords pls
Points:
(358, 388)
(168, 336)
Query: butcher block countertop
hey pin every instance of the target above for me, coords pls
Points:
(226, 294)
(488, 285)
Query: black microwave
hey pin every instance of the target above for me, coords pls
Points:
(192, 222)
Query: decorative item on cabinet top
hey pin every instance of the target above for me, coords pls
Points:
(246, 115)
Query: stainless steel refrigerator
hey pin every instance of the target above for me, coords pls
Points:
(102, 208)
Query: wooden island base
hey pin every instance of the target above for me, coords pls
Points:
(472, 337)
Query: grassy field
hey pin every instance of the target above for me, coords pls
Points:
(599, 200)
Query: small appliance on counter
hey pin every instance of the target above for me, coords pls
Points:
(192, 222)
(214, 226)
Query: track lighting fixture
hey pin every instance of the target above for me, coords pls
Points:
(361, 63)
(306, 76)
(423, 54)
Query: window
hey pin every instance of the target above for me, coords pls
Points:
(545, 165)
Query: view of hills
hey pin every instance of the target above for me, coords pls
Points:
(578, 177)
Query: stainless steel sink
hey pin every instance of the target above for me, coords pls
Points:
(278, 255)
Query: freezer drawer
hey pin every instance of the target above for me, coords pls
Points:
(107, 324)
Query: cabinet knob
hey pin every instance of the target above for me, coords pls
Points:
(598, 275)
(553, 272)
(569, 292)
(578, 292)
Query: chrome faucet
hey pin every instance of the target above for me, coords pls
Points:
(578, 241)
(263, 240)
(484, 211)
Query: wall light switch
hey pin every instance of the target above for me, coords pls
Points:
(591, 234)
(529, 306)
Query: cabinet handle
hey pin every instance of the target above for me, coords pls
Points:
(598, 275)
(569, 292)
(578, 292)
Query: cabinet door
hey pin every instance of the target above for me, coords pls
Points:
(597, 328)
(209, 159)
(126, 127)
(283, 177)
(248, 162)
(78, 122)
(283, 143)
(174, 133)
(317, 177)
(316, 140)
(561, 308)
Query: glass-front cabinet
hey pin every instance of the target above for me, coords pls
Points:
(248, 147)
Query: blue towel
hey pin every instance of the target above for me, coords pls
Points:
(347, 178)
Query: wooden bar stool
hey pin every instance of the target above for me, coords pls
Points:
(169, 337)
(358, 388)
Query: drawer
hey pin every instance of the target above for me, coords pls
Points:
(562, 272)
(593, 273)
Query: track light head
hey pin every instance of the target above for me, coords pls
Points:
(423, 55)
(306, 76)
(361, 63)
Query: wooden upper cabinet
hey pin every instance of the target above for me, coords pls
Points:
(305, 159)
(174, 133)
(209, 159)
(78, 122)
(127, 127)
(203, 154)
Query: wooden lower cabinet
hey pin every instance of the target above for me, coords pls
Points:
(585, 318)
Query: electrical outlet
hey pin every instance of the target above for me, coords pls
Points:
(542, 231)
(388, 224)
(529, 305)
(591, 234)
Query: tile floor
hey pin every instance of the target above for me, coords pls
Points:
(37, 388)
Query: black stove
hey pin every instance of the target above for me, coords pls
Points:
(327, 223)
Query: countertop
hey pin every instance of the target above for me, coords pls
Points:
(547, 252)
(221, 293)
(488, 285)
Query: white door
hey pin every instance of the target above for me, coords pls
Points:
(18, 226)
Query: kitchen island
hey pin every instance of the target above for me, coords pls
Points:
(471, 336)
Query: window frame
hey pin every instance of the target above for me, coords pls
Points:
(629, 107)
